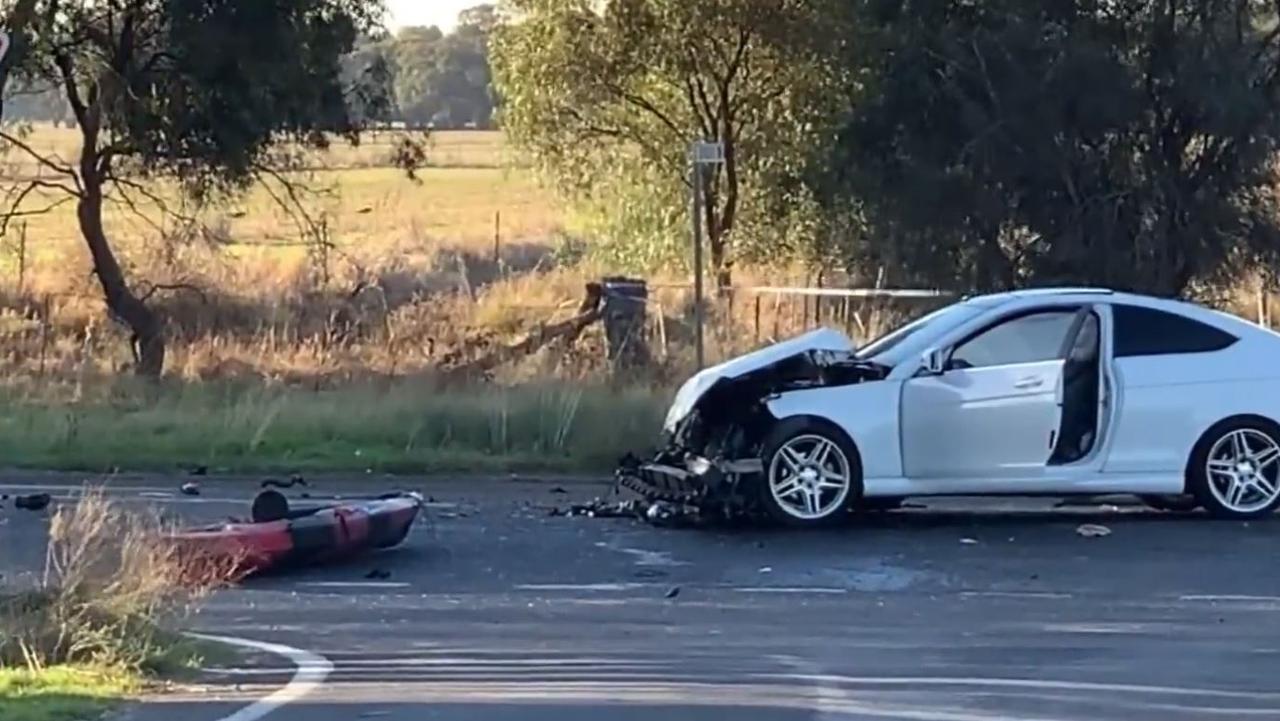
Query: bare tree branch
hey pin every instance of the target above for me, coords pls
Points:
(120, 185)
(68, 71)
(15, 206)
(204, 298)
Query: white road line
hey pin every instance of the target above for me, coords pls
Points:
(580, 586)
(1211, 597)
(354, 584)
(312, 670)
(791, 589)
(1028, 683)
(1013, 594)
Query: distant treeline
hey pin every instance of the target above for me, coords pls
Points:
(432, 79)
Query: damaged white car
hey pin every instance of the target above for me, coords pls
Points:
(1039, 392)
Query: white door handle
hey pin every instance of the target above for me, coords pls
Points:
(1031, 382)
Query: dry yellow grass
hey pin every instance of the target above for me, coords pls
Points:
(372, 212)
(259, 292)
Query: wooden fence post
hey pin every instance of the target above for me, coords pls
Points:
(757, 323)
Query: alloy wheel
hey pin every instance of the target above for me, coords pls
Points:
(810, 477)
(1243, 470)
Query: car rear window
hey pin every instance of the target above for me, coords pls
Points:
(1143, 331)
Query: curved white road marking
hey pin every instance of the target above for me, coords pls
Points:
(312, 670)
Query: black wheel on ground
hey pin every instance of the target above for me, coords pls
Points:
(269, 506)
(1171, 504)
(812, 473)
(1234, 469)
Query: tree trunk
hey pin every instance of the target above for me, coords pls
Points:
(20, 16)
(717, 233)
(148, 331)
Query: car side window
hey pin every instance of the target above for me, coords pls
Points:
(1143, 331)
(1025, 339)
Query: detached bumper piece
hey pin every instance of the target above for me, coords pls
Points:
(299, 536)
(702, 487)
(661, 482)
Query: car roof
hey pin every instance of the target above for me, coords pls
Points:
(991, 300)
(1225, 321)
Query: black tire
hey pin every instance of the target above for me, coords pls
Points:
(1198, 483)
(795, 433)
(1171, 504)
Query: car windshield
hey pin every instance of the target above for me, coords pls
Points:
(891, 347)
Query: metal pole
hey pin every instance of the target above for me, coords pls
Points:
(697, 261)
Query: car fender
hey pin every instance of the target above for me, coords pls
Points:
(1161, 418)
(868, 412)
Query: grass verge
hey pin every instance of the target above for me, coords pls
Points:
(399, 428)
(62, 693)
(98, 624)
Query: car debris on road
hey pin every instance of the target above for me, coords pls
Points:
(295, 480)
(1092, 530)
(33, 502)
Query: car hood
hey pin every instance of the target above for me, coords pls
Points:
(820, 340)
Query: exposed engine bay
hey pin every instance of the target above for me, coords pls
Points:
(710, 459)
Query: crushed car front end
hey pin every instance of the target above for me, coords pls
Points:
(711, 451)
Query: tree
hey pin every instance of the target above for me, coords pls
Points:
(202, 94)
(602, 94)
(444, 79)
(1127, 143)
(370, 71)
(415, 51)
(15, 19)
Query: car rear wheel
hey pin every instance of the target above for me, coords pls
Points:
(812, 474)
(1235, 468)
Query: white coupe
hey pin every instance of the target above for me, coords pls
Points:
(1058, 391)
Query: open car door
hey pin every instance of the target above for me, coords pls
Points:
(994, 410)
(1079, 389)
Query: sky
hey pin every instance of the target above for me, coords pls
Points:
(428, 12)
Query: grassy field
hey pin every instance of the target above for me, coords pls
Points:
(62, 693)
(101, 622)
(374, 213)
(291, 350)
(405, 427)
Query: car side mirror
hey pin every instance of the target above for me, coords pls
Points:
(934, 361)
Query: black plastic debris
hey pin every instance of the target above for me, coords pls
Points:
(672, 592)
(559, 491)
(378, 574)
(600, 508)
(33, 502)
(293, 481)
(190, 489)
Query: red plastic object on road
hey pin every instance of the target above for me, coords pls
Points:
(280, 536)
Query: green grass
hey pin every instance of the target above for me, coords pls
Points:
(62, 693)
(403, 428)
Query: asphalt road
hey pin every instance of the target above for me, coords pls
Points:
(965, 611)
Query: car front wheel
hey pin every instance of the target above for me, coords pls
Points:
(812, 473)
(1235, 469)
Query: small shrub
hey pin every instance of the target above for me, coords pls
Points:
(110, 588)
